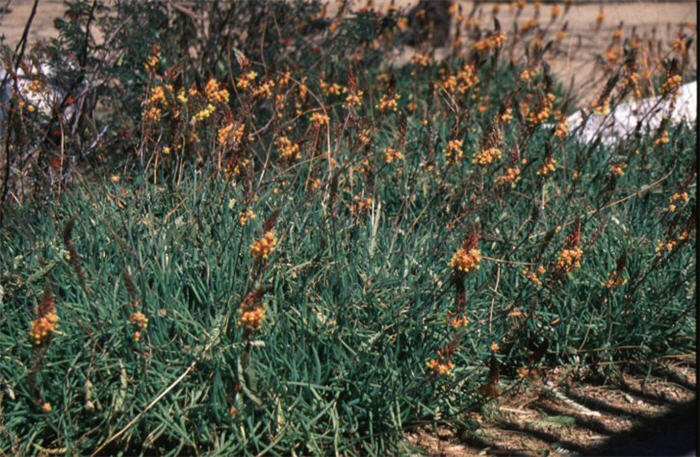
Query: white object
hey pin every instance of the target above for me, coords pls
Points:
(622, 121)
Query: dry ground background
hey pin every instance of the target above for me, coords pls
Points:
(550, 414)
(576, 65)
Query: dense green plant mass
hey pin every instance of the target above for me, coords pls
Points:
(295, 255)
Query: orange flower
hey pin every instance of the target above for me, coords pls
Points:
(618, 168)
(453, 151)
(512, 175)
(458, 322)
(47, 320)
(548, 166)
(319, 119)
(287, 149)
(252, 319)
(465, 260)
(391, 154)
(441, 368)
(140, 321)
(671, 84)
(43, 326)
(569, 260)
(262, 248)
(487, 156)
(388, 102)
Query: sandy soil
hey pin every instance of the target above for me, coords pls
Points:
(12, 23)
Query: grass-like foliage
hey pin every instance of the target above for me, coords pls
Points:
(296, 254)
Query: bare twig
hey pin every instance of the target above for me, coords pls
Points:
(21, 46)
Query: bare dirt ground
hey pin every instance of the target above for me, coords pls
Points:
(553, 415)
(13, 20)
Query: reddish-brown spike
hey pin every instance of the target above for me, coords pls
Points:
(47, 304)
(573, 239)
(471, 241)
(270, 221)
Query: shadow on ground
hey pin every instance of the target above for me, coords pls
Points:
(651, 413)
(673, 434)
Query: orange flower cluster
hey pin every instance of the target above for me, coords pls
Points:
(614, 280)
(214, 93)
(601, 107)
(43, 326)
(671, 84)
(154, 104)
(230, 134)
(679, 45)
(245, 216)
(507, 115)
(157, 96)
(672, 244)
(319, 119)
(554, 13)
(548, 166)
(252, 319)
(287, 149)
(421, 59)
(490, 42)
(388, 102)
(561, 34)
(441, 367)
(511, 175)
(391, 154)
(252, 311)
(487, 156)
(457, 322)
(662, 139)
(262, 248)
(353, 99)
(284, 79)
(246, 79)
(528, 25)
(618, 168)
(465, 259)
(453, 151)
(465, 79)
(668, 246)
(527, 75)
(612, 55)
(542, 111)
(682, 196)
(264, 90)
(599, 18)
(534, 275)
(203, 113)
(562, 129)
(237, 167)
(153, 60)
(361, 205)
(569, 260)
(331, 89)
(140, 321)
